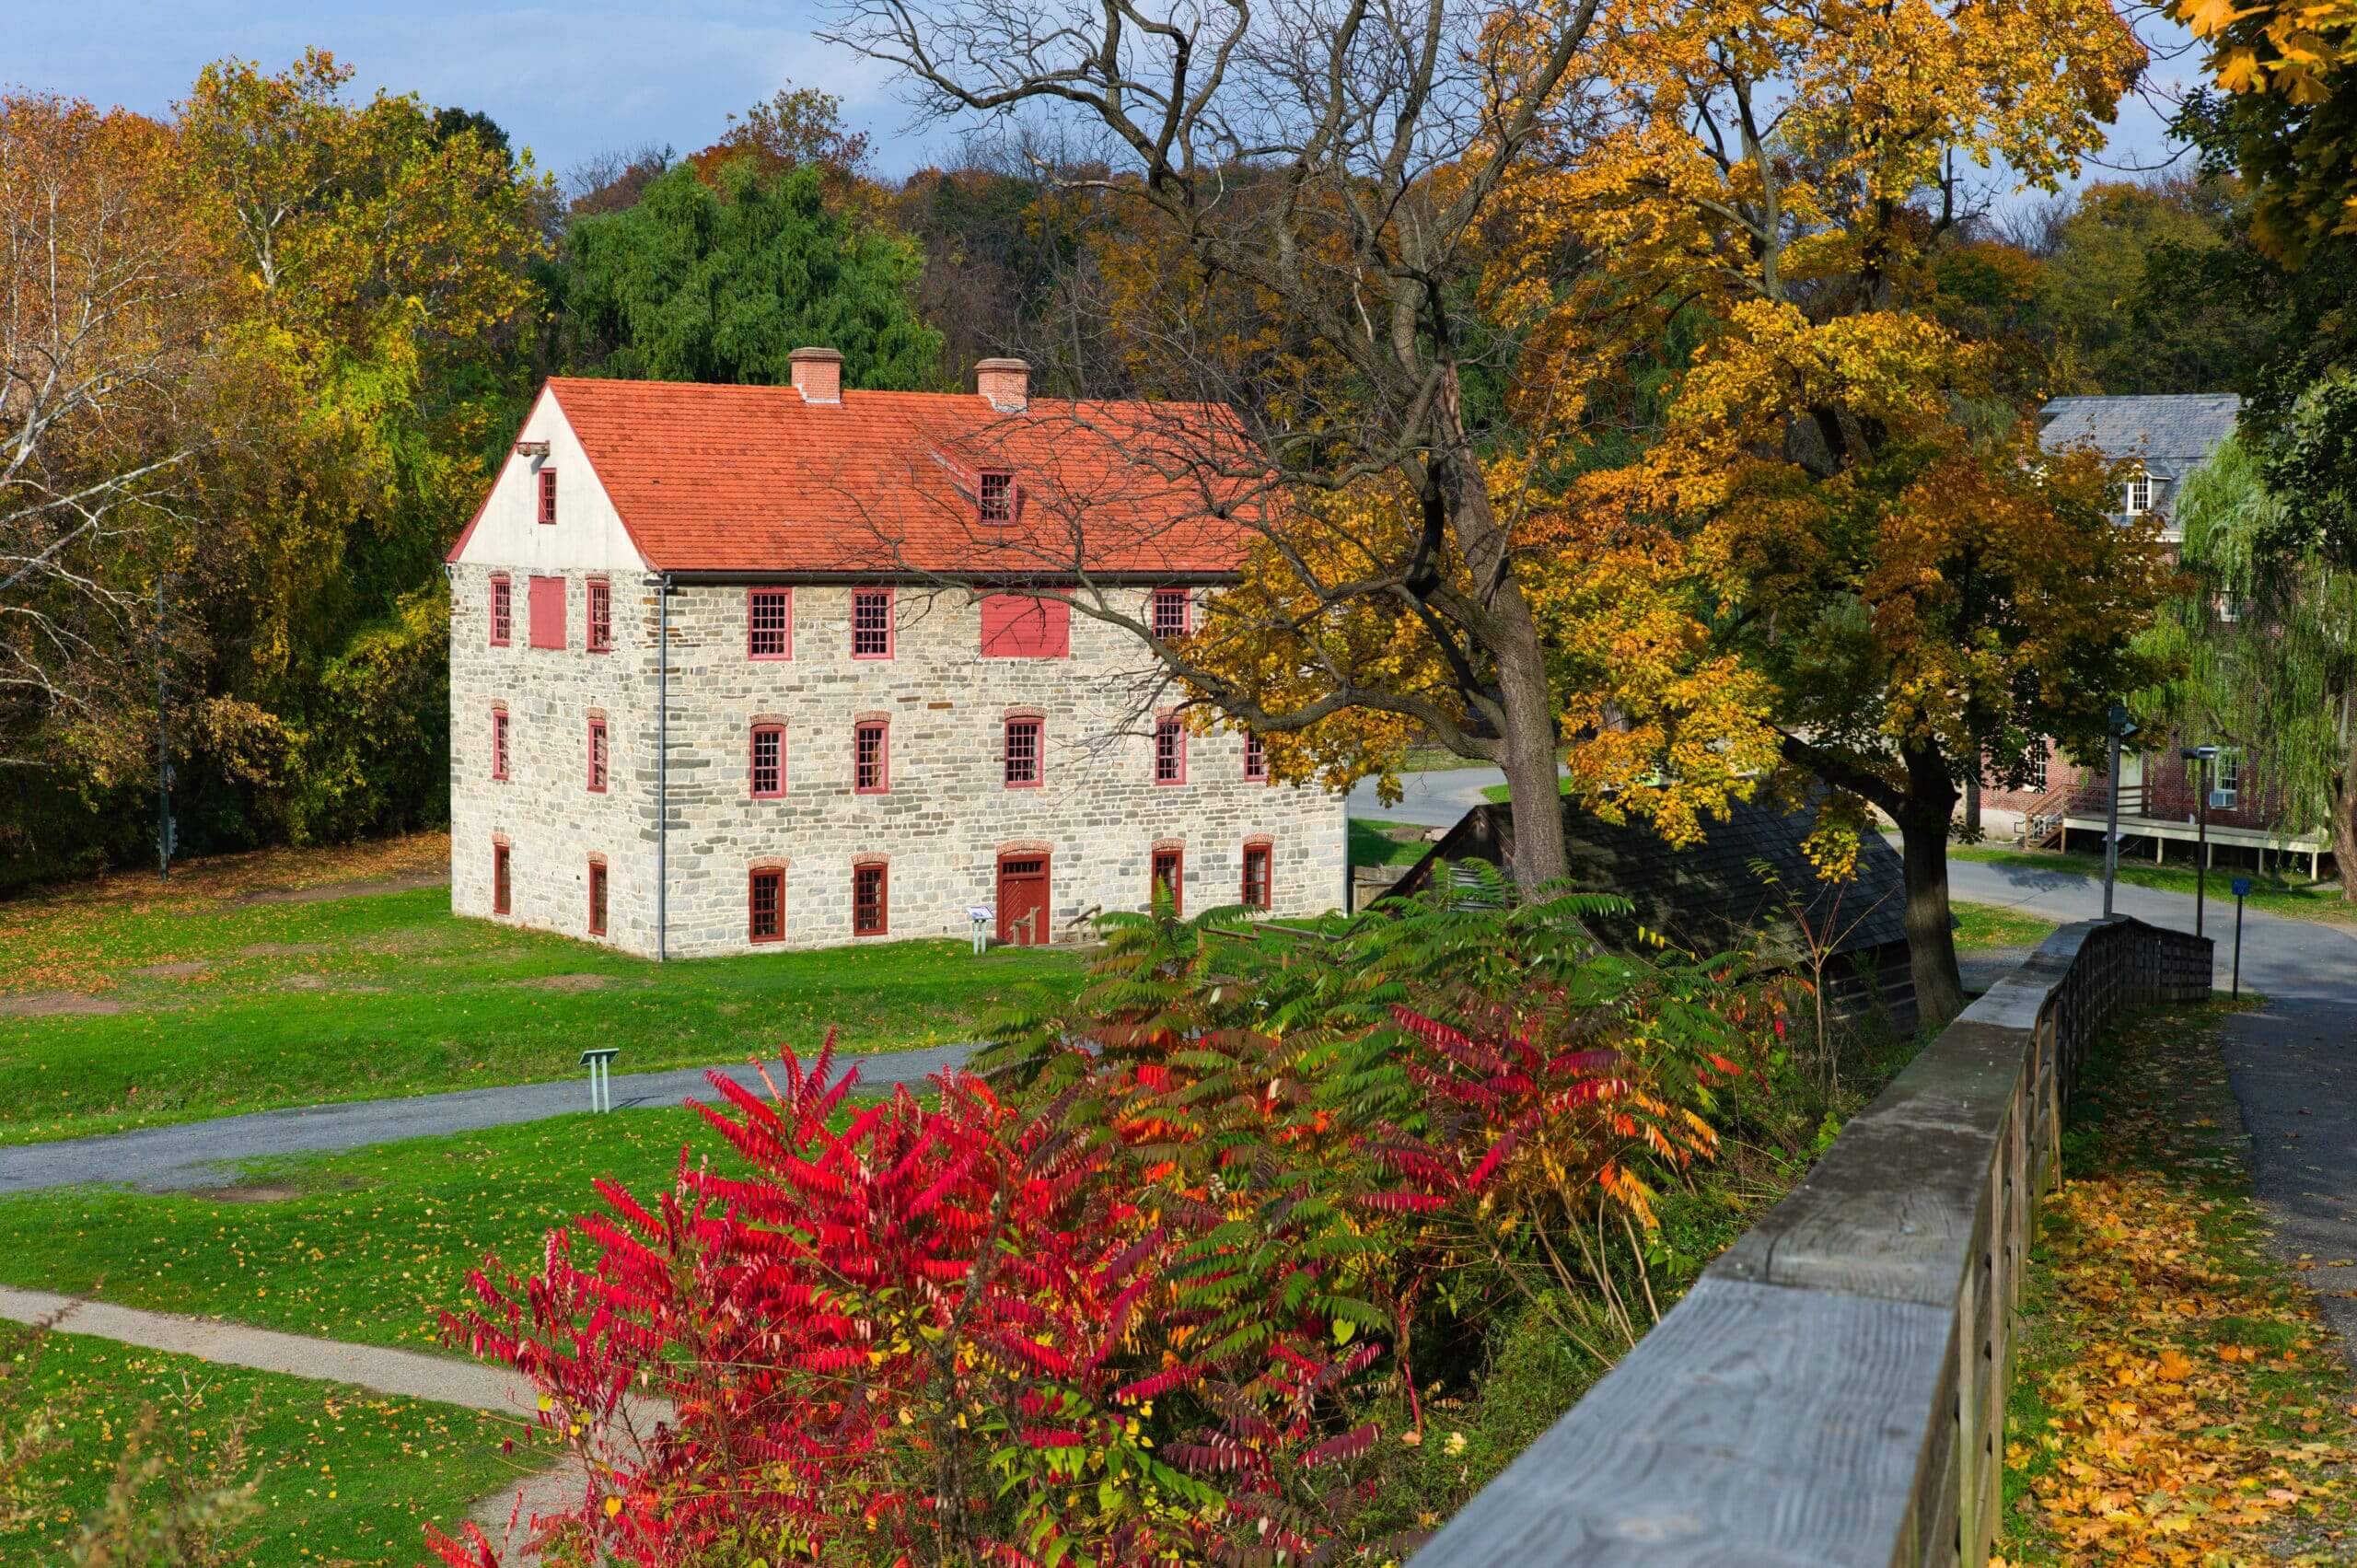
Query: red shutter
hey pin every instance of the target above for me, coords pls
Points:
(1016, 626)
(547, 612)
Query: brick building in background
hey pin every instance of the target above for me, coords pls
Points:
(867, 726)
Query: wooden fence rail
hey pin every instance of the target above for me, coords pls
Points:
(1832, 1389)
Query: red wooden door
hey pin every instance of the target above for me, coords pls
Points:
(1023, 899)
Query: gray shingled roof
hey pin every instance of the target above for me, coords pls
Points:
(1706, 896)
(2174, 435)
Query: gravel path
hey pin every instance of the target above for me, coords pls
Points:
(194, 1154)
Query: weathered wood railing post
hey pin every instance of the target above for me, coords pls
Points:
(1832, 1389)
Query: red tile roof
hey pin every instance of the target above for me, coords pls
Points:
(752, 479)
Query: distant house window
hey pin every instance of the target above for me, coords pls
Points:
(870, 758)
(765, 905)
(499, 743)
(769, 760)
(499, 879)
(601, 617)
(2229, 780)
(2037, 761)
(1017, 626)
(2139, 494)
(503, 612)
(870, 915)
(1170, 612)
(597, 756)
(597, 898)
(547, 612)
(998, 498)
(1023, 753)
(871, 623)
(2230, 608)
(1169, 877)
(769, 623)
(1169, 753)
(1256, 760)
(1257, 858)
(548, 495)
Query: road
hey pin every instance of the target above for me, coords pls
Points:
(2292, 1065)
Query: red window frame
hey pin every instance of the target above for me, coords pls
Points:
(874, 606)
(1255, 758)
(597, 897)
(548, 495)
(871, 757)
(503, 609)
(499, 744)
(871, 899)
(994, 497)
(775, 787)
(600, 758)
(1170, 751)
(1259, 875)
(1168, 870)
(1033, 734)
(769, 623)
(765, 904)
(598, 617)
(1173, 614)
(502, 880)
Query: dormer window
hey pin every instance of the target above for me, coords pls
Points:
(996, 497)
(2139, 494)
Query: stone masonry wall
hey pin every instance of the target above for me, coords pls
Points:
(941, 825)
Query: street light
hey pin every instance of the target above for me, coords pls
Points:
(2202, 755)
(2120, 725)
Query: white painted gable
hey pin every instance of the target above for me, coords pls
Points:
(587, 534)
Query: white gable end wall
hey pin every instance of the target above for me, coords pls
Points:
(587, 535)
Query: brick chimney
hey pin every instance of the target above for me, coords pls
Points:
(817, 374)
(1005, 384)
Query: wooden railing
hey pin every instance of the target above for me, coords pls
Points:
(1832, 1389)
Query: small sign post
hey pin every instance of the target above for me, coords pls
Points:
(599, 1059)
(2242, 891)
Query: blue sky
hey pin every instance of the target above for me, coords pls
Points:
(567, 81)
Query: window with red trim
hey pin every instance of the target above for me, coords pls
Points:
(1170, 876)
(871, 623)
(499, 879)
(601, 617)
(1171, 609)
(502, 613)
(995, 497)
(870, 758)
(1023, 753)
(769, 623)
(1256, 876)
(769, 760)
(1170, 751)
(547, 612)
(597, 898)
(870, 911)
(1255, 758)
(597, 756)
(499, 743)
(548, 495)
(765, 905)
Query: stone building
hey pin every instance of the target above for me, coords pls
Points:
(907, 678)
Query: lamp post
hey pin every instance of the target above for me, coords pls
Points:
(2120, 725)
(2200, 756)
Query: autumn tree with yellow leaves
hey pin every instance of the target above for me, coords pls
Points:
(1922, 591)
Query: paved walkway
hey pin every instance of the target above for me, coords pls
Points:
(2294, 1067)
(196, 1154)
(1432, 800)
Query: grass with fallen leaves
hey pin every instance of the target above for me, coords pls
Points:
(2175, 1400)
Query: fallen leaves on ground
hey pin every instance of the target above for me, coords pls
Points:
(2176, 1401)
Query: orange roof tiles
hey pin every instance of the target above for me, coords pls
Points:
(753, 478)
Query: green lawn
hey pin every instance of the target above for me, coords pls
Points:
(1377, 843)
(1498, 793)
(344, 1476)
(370, 1245)
(244, 1008)
(1988, 925)
(2296, 897)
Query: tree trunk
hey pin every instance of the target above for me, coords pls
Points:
(1973, 808)
(1931, 944)
(2344, 823)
